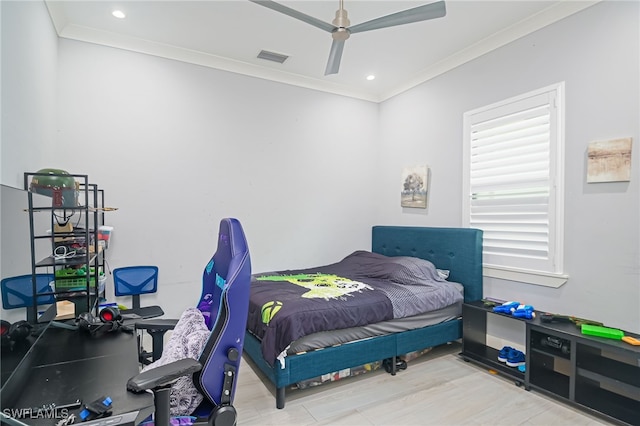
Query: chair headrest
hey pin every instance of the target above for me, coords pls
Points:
(231, 242)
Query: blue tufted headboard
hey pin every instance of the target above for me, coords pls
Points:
(458, 250)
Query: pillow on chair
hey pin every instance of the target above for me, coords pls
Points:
(187, 340)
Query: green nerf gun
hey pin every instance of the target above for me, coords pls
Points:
(547, 317)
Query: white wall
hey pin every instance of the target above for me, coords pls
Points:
(178, 146)
(596, 52)
(29, 87)
(27, 131)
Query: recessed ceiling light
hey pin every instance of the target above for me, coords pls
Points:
(118, 14)
(371, 77)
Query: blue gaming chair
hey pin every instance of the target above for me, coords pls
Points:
(224, 303)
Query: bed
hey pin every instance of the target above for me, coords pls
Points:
(455, 250)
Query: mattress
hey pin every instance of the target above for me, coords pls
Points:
(326, 339)
(362, 289)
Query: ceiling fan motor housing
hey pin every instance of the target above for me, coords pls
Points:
(340, 34)
(341, 19)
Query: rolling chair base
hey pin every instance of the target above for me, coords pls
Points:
(225, 415)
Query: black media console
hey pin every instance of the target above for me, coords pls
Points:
(599, 375)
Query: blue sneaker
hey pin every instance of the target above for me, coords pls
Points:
(515, 359)
(504, 353)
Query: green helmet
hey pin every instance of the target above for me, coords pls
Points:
(58, 184)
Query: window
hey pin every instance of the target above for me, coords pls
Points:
(513, 165)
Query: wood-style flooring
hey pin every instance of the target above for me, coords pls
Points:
(438, 388)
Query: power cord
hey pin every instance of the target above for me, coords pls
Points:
(63, 219)
(62, 253)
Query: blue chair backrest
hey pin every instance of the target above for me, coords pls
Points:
(133, 280)
(225, 290)
(17, 292)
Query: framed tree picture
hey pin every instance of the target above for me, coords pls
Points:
(414, 187)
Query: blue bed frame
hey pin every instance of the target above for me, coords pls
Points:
(458, 250)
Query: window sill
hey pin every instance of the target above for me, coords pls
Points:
(545, 279)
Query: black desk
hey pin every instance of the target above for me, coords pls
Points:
(65, 365)
(11, 356)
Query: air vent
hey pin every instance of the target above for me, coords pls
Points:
(271, 56)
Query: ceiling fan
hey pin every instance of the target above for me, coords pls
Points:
(340, 29)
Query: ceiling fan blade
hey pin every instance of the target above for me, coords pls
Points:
(295, 14)
(335, 55)
(416, 14)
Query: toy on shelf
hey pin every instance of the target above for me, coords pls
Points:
(516, 309)
(631, 340)
(506, 307)
(524, 311)
(547, 317)
(595, 330)
(609, 333)
(491, 302)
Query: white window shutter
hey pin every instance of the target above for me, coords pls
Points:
(511, 185)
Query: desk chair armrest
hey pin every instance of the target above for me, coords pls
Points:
(156, 328)
(159, 380)
(164, 375)
(156, 324)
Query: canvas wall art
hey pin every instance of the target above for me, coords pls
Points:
(414, 187)
(609, 161)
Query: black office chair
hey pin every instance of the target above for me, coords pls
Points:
(17, 292)
(134, 281)
(226, 283)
